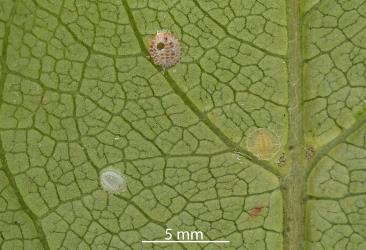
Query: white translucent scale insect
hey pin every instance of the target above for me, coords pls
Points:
(112, 181)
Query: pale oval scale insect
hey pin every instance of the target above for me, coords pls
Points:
(112, 181)
(263, 143)
(165, 49)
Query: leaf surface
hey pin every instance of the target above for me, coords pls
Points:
(79, 95)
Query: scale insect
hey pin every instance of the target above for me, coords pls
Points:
(112, 181)
(263, 143)
(165, 49)
(309, 152)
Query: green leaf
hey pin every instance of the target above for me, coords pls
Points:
(79, 95)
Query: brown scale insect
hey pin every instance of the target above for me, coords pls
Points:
(310, 152)
(281, 160)
(165, 49)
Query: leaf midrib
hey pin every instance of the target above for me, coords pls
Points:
(293, 185)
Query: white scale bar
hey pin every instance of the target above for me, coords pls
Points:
(185, 241)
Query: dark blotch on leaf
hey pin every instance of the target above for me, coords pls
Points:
(160, 46)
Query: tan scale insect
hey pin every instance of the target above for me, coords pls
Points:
(263, 143)
(165, 49)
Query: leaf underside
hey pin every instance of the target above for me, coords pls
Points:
(79, 94)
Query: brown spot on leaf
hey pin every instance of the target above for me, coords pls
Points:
(309, 153)
(254, 212)
(282, 160)
(44, 100)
